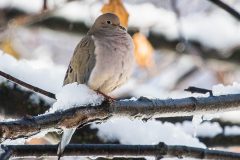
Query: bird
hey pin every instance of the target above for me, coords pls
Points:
(103, 60)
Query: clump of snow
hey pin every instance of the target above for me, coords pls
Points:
(18, 141)
(198, 27)
(209, 117)
(234, 130)
(229, 89)
(196, 121)
(220, 89)
(202, 129)
(232, 116)
(74, 95)
(205, 129)
(139, 132)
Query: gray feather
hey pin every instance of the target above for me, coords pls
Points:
(82, 62)
(66, 137)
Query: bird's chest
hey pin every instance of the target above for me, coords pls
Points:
(114, 63)
(114, 52)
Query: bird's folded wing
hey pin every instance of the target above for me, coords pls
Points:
(82, 62)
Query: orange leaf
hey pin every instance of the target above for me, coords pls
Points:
(143, 50)
(117, 7)
(8, 47)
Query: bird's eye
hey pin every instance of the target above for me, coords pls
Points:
(108, 22)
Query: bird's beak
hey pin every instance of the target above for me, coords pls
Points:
(121, 27)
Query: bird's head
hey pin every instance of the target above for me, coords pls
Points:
(107, 20)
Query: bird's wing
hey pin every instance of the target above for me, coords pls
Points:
(82, 62)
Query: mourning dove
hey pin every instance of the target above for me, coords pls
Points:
(103, 60)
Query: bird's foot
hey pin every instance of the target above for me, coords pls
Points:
(106, 97)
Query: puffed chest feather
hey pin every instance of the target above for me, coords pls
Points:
(114, 62)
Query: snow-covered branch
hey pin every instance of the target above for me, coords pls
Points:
(142, 108)
(116, 150)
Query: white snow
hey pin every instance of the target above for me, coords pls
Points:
(234, 130)
(206, 129)
(42, 72)
(232, 116)
(33, 7)
(74, 95)
(196, 121)
(220, 89)
(18, 141)
(226, 89)
(139, 132)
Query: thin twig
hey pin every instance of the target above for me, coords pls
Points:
(227, 8)
(142, 108)
(116, 150)
(193, 89)
(29, 86)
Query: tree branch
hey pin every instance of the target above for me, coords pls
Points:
(221, 140)
(29, 86)
(116, 150)
(227, 8)
(142, 108)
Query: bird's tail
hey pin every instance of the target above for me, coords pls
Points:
(66, 137)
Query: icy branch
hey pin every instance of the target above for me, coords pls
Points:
(116, 150)
(142, 108)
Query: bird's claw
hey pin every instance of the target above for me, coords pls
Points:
(106, 97)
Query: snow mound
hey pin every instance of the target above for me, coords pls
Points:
(74, 95)
(229, 89)
(151, 132)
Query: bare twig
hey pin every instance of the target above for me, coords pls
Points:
(116, 150)
(29, 86)
(142, 108)
(45, 6)
(227, 8)
(198, 90)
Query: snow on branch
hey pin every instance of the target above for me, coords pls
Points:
(143, 108)
(116, 150)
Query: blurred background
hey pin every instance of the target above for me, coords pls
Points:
(177, 44)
